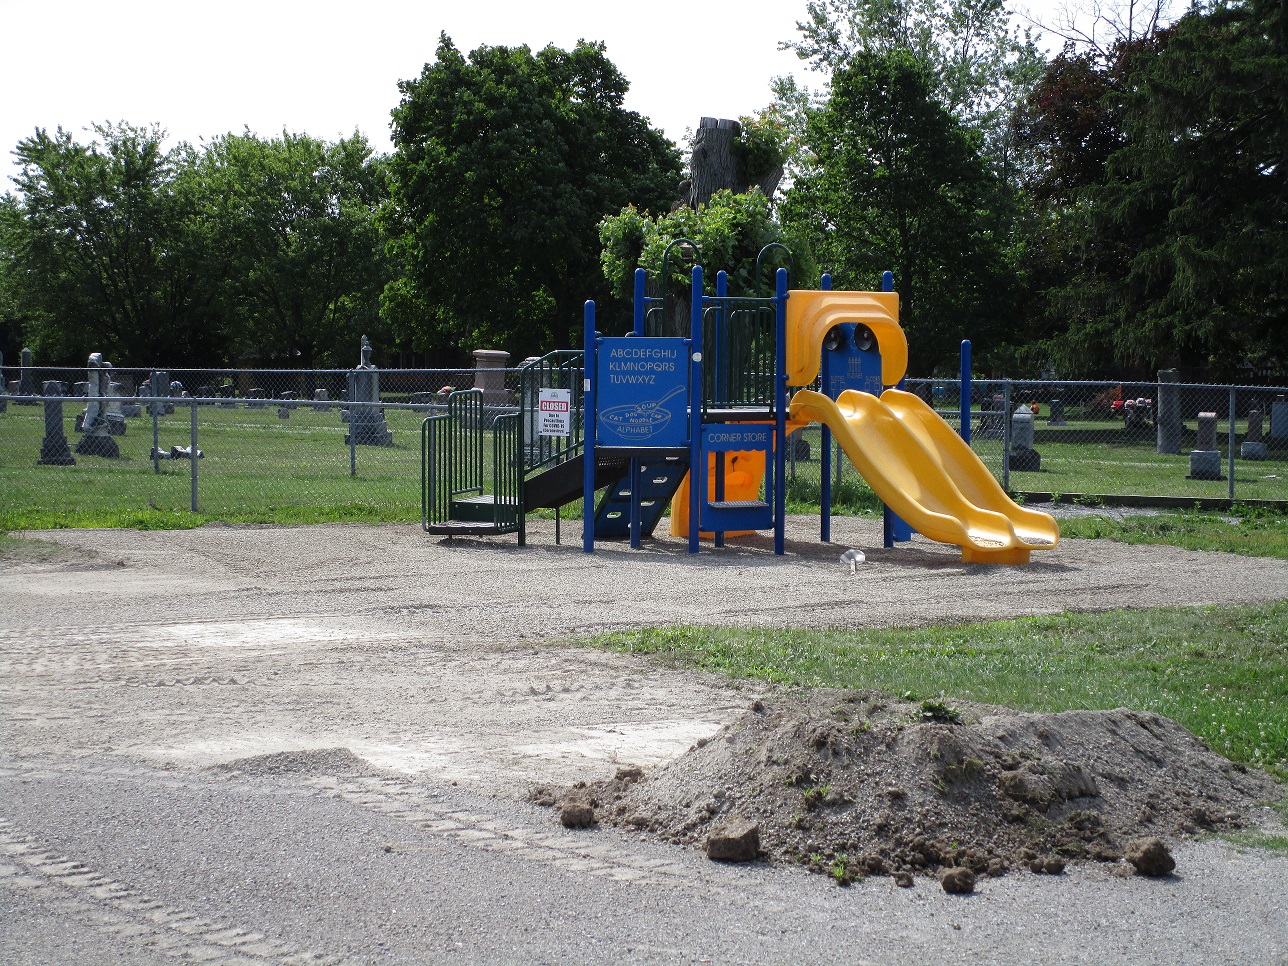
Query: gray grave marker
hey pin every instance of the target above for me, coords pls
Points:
(1205, 461)
(53, 448)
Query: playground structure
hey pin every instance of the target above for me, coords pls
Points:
(636, 416)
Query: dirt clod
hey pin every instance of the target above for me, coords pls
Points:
(903, 880)
(957, 880)
(737, 840)
(576, 815)
(1149, 856)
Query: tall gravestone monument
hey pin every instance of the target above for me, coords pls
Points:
(1167, 418)
(367, 426)
(97, 439)
(53, 448)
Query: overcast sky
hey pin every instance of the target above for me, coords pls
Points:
(325, 68)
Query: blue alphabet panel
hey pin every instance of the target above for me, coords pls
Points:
(643, 392)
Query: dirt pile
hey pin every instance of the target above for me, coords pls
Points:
(857, 783)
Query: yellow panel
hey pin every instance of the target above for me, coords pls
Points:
(811, 315)
(917, 481)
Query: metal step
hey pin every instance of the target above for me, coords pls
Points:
(479, 509)
(462, 528)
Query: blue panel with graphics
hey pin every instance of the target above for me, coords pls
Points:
(853, 360)
(643, 392)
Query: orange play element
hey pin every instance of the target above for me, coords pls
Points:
(811, 315)
(918, 479)
(744, 474)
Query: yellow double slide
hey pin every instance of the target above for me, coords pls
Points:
(922, 470)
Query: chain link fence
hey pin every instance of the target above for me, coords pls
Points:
(292, 445)
(1113, 441)
(273, 445)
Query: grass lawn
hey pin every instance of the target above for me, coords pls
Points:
(257, 469)
(1222, 672)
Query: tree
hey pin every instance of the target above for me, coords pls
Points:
(291, 227)
(100, 249)
(900, 185)
(979, 67)
(731, 230)
(504, 163)
(1182, 250)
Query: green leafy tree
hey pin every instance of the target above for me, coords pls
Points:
(900, 185)
(979, 66)
(100, 251)
(290, 225)
(731, 231)
(504, 163)
(1180, 254)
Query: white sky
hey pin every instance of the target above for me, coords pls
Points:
(326, 68)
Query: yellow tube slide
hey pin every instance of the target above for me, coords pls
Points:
(911, 478)
(977, 484)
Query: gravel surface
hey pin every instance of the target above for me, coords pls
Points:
(313, 744)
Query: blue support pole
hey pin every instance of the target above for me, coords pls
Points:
(641, 300)
(965, 392)
(588, 447)
(780, 413)
(895, 529)
(696, 478)
(825, 454)
(722, 321)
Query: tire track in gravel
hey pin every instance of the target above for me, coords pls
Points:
(114, 909)
(394, 798)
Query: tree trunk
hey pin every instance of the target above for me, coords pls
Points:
(714, 163)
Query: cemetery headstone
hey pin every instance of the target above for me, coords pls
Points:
(1023, 457)
(322, 396)
(1253, 446)
(1167, 420)
(255, 398)
(367, 426)
(1056, 417)
(226, 394)
(489, 376)
(53, 448)
(1205, 461)
(1279, 418)
(26, 379)
(97, 439)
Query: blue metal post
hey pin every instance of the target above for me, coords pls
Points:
(965, 392)
(588, 448)
(641, 300)
(895, 529)
(780, 413)
(825, 453)
(695, 409)
(722, 321)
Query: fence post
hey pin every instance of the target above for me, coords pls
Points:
(1006, 436)
(156, 436)
(192, 455)
(1231, 470)
(353, 442)
(965, 393)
